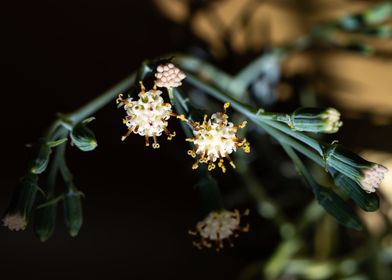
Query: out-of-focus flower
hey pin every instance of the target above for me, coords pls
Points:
(18, 213)
(217, 227)
(15, 221)
(147, 116)
(215, 139)
(169, 76)
(367, 174)
(315, 120)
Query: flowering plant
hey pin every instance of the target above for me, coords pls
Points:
(158, 92)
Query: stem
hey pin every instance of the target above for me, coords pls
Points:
(52, 176)
(261, 65)
(252, 113)
(99, 102)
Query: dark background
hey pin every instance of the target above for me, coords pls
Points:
(139, 202)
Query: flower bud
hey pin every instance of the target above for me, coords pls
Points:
(45, 221)
(22, 201)
(316, 120)
(73, 213)
(83, 137)
(41, 154)
(366, 201)
(367, 174)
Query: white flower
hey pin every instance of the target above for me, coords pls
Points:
(15, 222)
(147, 116)
(216, 139)
(219, 226)
(169, 76)
(373, 177)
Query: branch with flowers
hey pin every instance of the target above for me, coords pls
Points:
(213, 140)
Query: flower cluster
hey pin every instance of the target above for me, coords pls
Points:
(215, 139)
(373, 177)
(169, 76)
(217, 227)
(147, 116)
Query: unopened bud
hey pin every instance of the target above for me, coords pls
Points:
(83, 137)
(45, 221)
(41, 154)
(367, 174)
(315, 120)
(73, 213)
(19, 211)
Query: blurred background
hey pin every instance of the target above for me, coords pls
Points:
(141, 202)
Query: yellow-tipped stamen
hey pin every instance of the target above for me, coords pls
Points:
(195, 165)
(126, 135)
(155, 144)
(222, 166)
(211, 166)
(191, 153)
(242, 125)
(226, 106)
(147, 140)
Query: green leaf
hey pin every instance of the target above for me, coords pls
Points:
(52, 144)
(327, 198)
(337, 207)
(50, 202)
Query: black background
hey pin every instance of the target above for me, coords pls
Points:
(139, 202)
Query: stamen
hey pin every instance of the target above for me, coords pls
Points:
(155, 145)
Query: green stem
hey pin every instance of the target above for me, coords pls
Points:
(52, 176)
(99, 102)
(254, 115)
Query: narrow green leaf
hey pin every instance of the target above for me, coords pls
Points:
(337, 207)
(52, 144)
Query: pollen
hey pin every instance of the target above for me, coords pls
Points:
(218, 227)
(147, 116)
(215, 139)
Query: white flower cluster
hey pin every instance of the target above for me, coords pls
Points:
(169, 76)
(14, 222)
(216, 139)
(147, 116)
(373, 177)
(219, 226)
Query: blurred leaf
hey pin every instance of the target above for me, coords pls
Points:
(337, 207)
